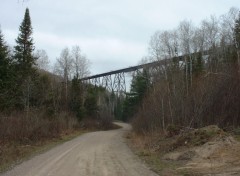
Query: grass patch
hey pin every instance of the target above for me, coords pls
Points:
(140, 146)
(190, 152)
(162, 167)
(158, 165)
(13, 153)
(151, 149)
(236, 133)
(237, 137)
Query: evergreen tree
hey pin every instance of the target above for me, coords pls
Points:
(76, 95)
(6, 74)
(90, 104)
(24, 60)
(4, 60)
(139, 86)
(24, 48)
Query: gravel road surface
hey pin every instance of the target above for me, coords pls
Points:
(103, 153)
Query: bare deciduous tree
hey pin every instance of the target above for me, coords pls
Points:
(155, 46)
(211, 30)
(42, 60)
(227, 22)
(213, 97)
(80, 62)
(186, 32)
(63, 67)
(64, 64)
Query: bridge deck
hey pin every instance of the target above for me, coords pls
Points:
(148, 65)
(130, 69)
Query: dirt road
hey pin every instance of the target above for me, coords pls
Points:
(92, 154)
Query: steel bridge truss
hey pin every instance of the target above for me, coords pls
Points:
(113, 82)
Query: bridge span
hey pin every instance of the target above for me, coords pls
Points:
(115, 81)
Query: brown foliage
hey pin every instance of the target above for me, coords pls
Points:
(104, 121)
(211, 98)
(18, 127)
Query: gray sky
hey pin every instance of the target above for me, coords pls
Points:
(112, 34)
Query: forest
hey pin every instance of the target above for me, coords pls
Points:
(200, 89)
(36, 104)
(181, 116)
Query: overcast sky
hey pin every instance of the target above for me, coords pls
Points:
(113, 34)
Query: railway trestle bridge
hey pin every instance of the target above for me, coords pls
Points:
(115, 81)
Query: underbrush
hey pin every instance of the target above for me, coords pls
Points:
(212, 99)
(153, 147)
(22, 135)
(92, 124)
(35, 126)
(103, 120)
(150, 147)
(14, 152)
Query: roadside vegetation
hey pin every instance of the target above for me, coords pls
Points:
(176, 101)
(14, 152)
(177, 110)
(202, 151)
(37, 106)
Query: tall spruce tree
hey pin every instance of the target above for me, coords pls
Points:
(24, 48)
(24, 59)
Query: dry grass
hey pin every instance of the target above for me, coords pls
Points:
(19, 127)
(23, 136)
(147, 147)
(92, 124)
(13, 153)
(194, 152)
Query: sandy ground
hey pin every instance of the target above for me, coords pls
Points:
(94, 154)
(218, 157)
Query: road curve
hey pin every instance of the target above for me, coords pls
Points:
(103, 153)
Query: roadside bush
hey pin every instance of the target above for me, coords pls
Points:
(212, 99)
(173, 130)
(25, 129)
(105, 119)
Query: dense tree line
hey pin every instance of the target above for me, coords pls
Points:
(203, 87)
(35, 103)
(17, 68)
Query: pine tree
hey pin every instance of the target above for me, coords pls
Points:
(4, 65)
(24, 59)
(24, 48)
(7, 76)
(4, 60)
(139, 87)
(76, 97)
